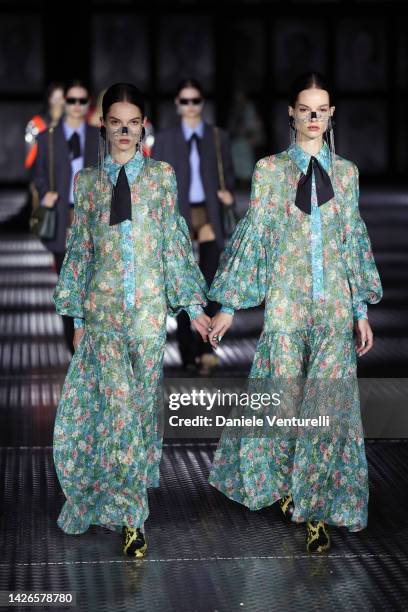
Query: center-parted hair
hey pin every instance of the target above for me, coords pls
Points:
(123, 92)
(190, 82)
(307, 80)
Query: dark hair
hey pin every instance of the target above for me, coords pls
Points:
(51, 87)
(189, 83)
(308, 80)
(75, 83)
(122, 92)
(48, 93)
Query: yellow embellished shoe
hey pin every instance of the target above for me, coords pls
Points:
(287, 506)
(318, 539)
(134, 543)
(208, 361)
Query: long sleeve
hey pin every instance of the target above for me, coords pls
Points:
(185, 284)
(364, 280)
(240, 280)
(78, 265)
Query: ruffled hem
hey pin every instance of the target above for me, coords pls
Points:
(72, 522)
(273, 497)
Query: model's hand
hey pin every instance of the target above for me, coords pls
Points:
(78, 333)
(50, 198)
(225, 196)
(365, 338)
(220, 323)
(201, 324)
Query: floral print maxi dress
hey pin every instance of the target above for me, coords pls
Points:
(316, 273)
(119, 282)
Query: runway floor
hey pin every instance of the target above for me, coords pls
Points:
(206, 553)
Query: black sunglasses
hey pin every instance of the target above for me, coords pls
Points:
(195, 101)
(75, 100)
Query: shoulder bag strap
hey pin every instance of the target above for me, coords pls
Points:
(51, 179)
(220, 164)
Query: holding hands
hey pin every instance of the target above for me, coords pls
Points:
(212, 330)
(201, 324)
(218, 327)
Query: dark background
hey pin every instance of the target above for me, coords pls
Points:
(205, 552)
(254, 46)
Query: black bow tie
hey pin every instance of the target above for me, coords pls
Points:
(74, 145)
(121, 202)
(324, 188)
(194, 136)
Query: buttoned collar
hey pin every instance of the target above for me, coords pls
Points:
(302, 158)
(188, 131)
(132, 167)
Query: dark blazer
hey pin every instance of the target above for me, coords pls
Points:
(170, 146)
(62, 176)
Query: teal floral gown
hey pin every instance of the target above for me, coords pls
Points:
(119, 282)
(317, 274)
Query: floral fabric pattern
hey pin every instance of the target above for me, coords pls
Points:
(120, 281)
(307, 335)
(268, 257)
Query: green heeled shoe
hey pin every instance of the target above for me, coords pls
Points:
(134, 543)
(318, 538)
(287, 506)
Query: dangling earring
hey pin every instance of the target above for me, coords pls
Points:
(102, 150)
(292, 131)
(330, 139)
(140, 141)
(146, 159)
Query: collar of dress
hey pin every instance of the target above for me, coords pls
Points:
(302, 158)
(132, 167)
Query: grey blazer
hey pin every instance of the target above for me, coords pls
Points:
(62, 176)
(170, 146)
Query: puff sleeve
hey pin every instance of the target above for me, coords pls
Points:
(185, 285)
(78, 265)
(364, 280)
(240, 280)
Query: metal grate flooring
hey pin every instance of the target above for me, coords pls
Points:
(206, 553)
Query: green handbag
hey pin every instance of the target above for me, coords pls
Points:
(43, 223)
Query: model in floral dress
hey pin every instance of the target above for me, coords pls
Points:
(303, 248)
(129, 263)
